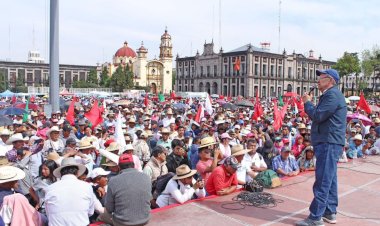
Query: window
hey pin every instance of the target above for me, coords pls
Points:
(225, 60)
(290, 72)
(225, 70)
(264, 91)
(201, 70)
(215, 70)
(256, 69)
(272, 70)
(208, 71)
(242, 69)
(264, 59)
(192, 63)
(242, 58)
(256, 58)
(264, 70)
(304, 73)
(186, 63)
(280, 71)
(298, 73)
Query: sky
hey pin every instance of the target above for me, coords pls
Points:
(91, 31)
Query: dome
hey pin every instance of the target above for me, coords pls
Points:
(166, 35)
(125, 51)
(142, 48)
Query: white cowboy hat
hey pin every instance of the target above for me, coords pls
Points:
(358, 137)
(114, 146)
(98, 172)
(183, 171)
(15, 137)
(69, 162)
(207, 141)
(10, 173)
(84, 144)
(52, 129)
(5, 132)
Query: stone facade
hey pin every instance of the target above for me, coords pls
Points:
(246, 70)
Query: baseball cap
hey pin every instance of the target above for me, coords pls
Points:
(285, 149)
(67, 128)
(98, 172)
(71, 140)
(125, 158)
(330, 72)
(231, 161)
(187, 134)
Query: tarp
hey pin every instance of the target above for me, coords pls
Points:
(7, 93)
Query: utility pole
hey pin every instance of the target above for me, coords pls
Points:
(54, 55)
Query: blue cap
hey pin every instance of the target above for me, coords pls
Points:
(241, 122)
(330, 72)
(187, 134)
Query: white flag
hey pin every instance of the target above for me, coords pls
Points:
(119, 135)
(208, 105)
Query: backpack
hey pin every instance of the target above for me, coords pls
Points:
(159, 185)
(268, 179)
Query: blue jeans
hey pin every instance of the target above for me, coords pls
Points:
(325, 187)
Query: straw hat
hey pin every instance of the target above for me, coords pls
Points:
(10, 173)
(85, 144)
(207, 141)
(5, 132)
(225, 135)
(52, 129)
(53, 156)
(69, 162)
(15, 137)
(114, 146)
(376, 120)
(165, 130)
(183, 171)
(301, 126)
(4, 161)
(109, 163)
(238, 150)
(169, 111)
(132, 120)
(358, 137)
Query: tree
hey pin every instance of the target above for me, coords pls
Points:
(20, 85)
(84, 84)
(3, 81)
(174, 75)
(346, 65)
(92, 77)
(370, 60)
(104, 77)
(129, 77)
(118, 80)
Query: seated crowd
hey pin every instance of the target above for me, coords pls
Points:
(60, 174)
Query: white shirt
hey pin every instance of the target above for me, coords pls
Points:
(246, 164)
(167, 121)
(69, 202)
(173, 195)
(4, 148)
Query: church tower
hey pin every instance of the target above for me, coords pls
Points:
(140, 66)
(166, 58)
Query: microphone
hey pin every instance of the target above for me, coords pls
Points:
(312, 88)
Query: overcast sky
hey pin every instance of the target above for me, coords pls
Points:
(92, 30)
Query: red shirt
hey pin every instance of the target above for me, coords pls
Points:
(201, 168)
(220, 179)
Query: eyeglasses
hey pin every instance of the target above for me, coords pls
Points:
(322, 78)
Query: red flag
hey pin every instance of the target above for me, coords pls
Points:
(221, 97)
(172, 95)
(94, 115)
(277, 117)
(146, 100)
(362, 104)
(70, 117)
(32, 99)
(237, 64)
(258, 109)
(13, 99)
(200, 114)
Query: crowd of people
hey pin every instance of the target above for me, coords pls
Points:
(60, 173)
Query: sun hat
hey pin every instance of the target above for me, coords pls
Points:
(52, 129)
(285, 149)
(10, 173)
(143, 135)
(5, 132)
(71, 140)
(128, 147)
(4, 160)
(98, 172)
(238, 149)
(125, 158)
(69, 162)
(132, 120)
(301, 126)
(85, 144)
(165, 130)
(53, 156)
(183, 171)
(109, 163)
(330, 72)
(15, 137)
(207, 141)
(231, 161)
(114, 146)
(376, 120)
(169, 111)
(358, 137)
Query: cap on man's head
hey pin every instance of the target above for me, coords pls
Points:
(231, 161)
(125, 158)
(330, 72)
(71, 140)
(67, 128)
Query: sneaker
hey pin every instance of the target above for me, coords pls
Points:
(329, 218)
(310, 222)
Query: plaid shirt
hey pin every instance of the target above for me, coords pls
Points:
(12, 154)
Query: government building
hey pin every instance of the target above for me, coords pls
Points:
(154, 73)
(246, 70)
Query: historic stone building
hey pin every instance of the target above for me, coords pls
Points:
(37, 74)
(245, 70)
(155, 73)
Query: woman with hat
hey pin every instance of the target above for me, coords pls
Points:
(15, 208)
(86, 148)
(307, 159)
(181, 188)
(224, 146)
(53, 143)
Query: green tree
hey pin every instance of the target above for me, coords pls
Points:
(129, 78)
(104, 78)
(118, 81)
(370, 60)
(346, 65)
(84, 84)
(3, 80)
(92, 77)
(20, 85)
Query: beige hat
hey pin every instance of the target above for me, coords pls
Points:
(85, 144)
(376, 120)
(114, 146)
(238, 149)
(207, 141)
(15, 137)
(10, 173)
(301, 126)
(5, 132)
(169, 111)
(53, 156)
(132, 120)
(183, 171)
(109, 162)
(69, 162)
(4, 161)
(52, 129)
(144, 134)
(358, 137)
(165, 130)
(146, 118)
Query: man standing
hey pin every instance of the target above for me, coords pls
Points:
(69, 201)
(328, 138)
(128, 196)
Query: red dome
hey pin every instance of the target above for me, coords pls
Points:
(125, 51)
